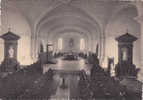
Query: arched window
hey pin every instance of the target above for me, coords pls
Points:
(60, 43)
(82, 44)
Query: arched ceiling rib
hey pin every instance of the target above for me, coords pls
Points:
(64, 16)
(67, 10)
(74, 33)
(8, 6)
(68, 19)
(64, 27)
(121, 7)
(69, 30)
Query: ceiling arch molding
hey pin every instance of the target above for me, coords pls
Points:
(76, 33)
(93, 31)
(68, 29)
(71, 27)
(55, 34)
(92, 20)
(80, 20)
(84, 32)
(121, 8)
(47, 14)
(11, 6)
(73, 33)
(51, 7)
(67, 19)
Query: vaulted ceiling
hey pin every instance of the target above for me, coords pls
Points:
(98, 21)
(60, 16)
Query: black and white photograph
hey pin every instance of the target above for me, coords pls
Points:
(71, 49)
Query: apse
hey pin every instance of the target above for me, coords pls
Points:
(71, 42)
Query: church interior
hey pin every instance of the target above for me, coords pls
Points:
(71, 49)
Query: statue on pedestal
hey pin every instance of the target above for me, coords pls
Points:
(125, 66)
(10, 63)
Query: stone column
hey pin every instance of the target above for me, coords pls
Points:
(4, 16)
(139, 19)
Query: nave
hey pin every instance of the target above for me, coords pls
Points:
(73, 65)
(69, 70)
(63, 81)
(71, 49)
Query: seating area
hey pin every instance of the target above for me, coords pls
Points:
(102, 86)
(31, 83)
(70, 78)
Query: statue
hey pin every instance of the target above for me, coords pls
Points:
(125, 66)
(10, 63)
(11, 52)
(110, 62)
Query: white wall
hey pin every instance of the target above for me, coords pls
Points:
(122, 23)
(19, 25)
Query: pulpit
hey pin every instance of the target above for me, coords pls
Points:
(10, 63)
(125, 66)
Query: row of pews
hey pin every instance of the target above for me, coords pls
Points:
(27, 83)
(100, 85)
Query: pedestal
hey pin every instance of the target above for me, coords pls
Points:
(125, 66)
(10, 63)
(139, 19)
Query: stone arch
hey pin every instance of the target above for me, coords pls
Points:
(75, 31)
(121, 7)
(121, 22)
(75, 35)
(94, 23)
(22, 27)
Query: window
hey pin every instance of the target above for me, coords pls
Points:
(82, 44)
(60, 43)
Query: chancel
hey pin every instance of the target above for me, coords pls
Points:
(71, 49)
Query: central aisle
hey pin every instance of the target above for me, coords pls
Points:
(66, 65)
(71, 80)
(71, 92)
